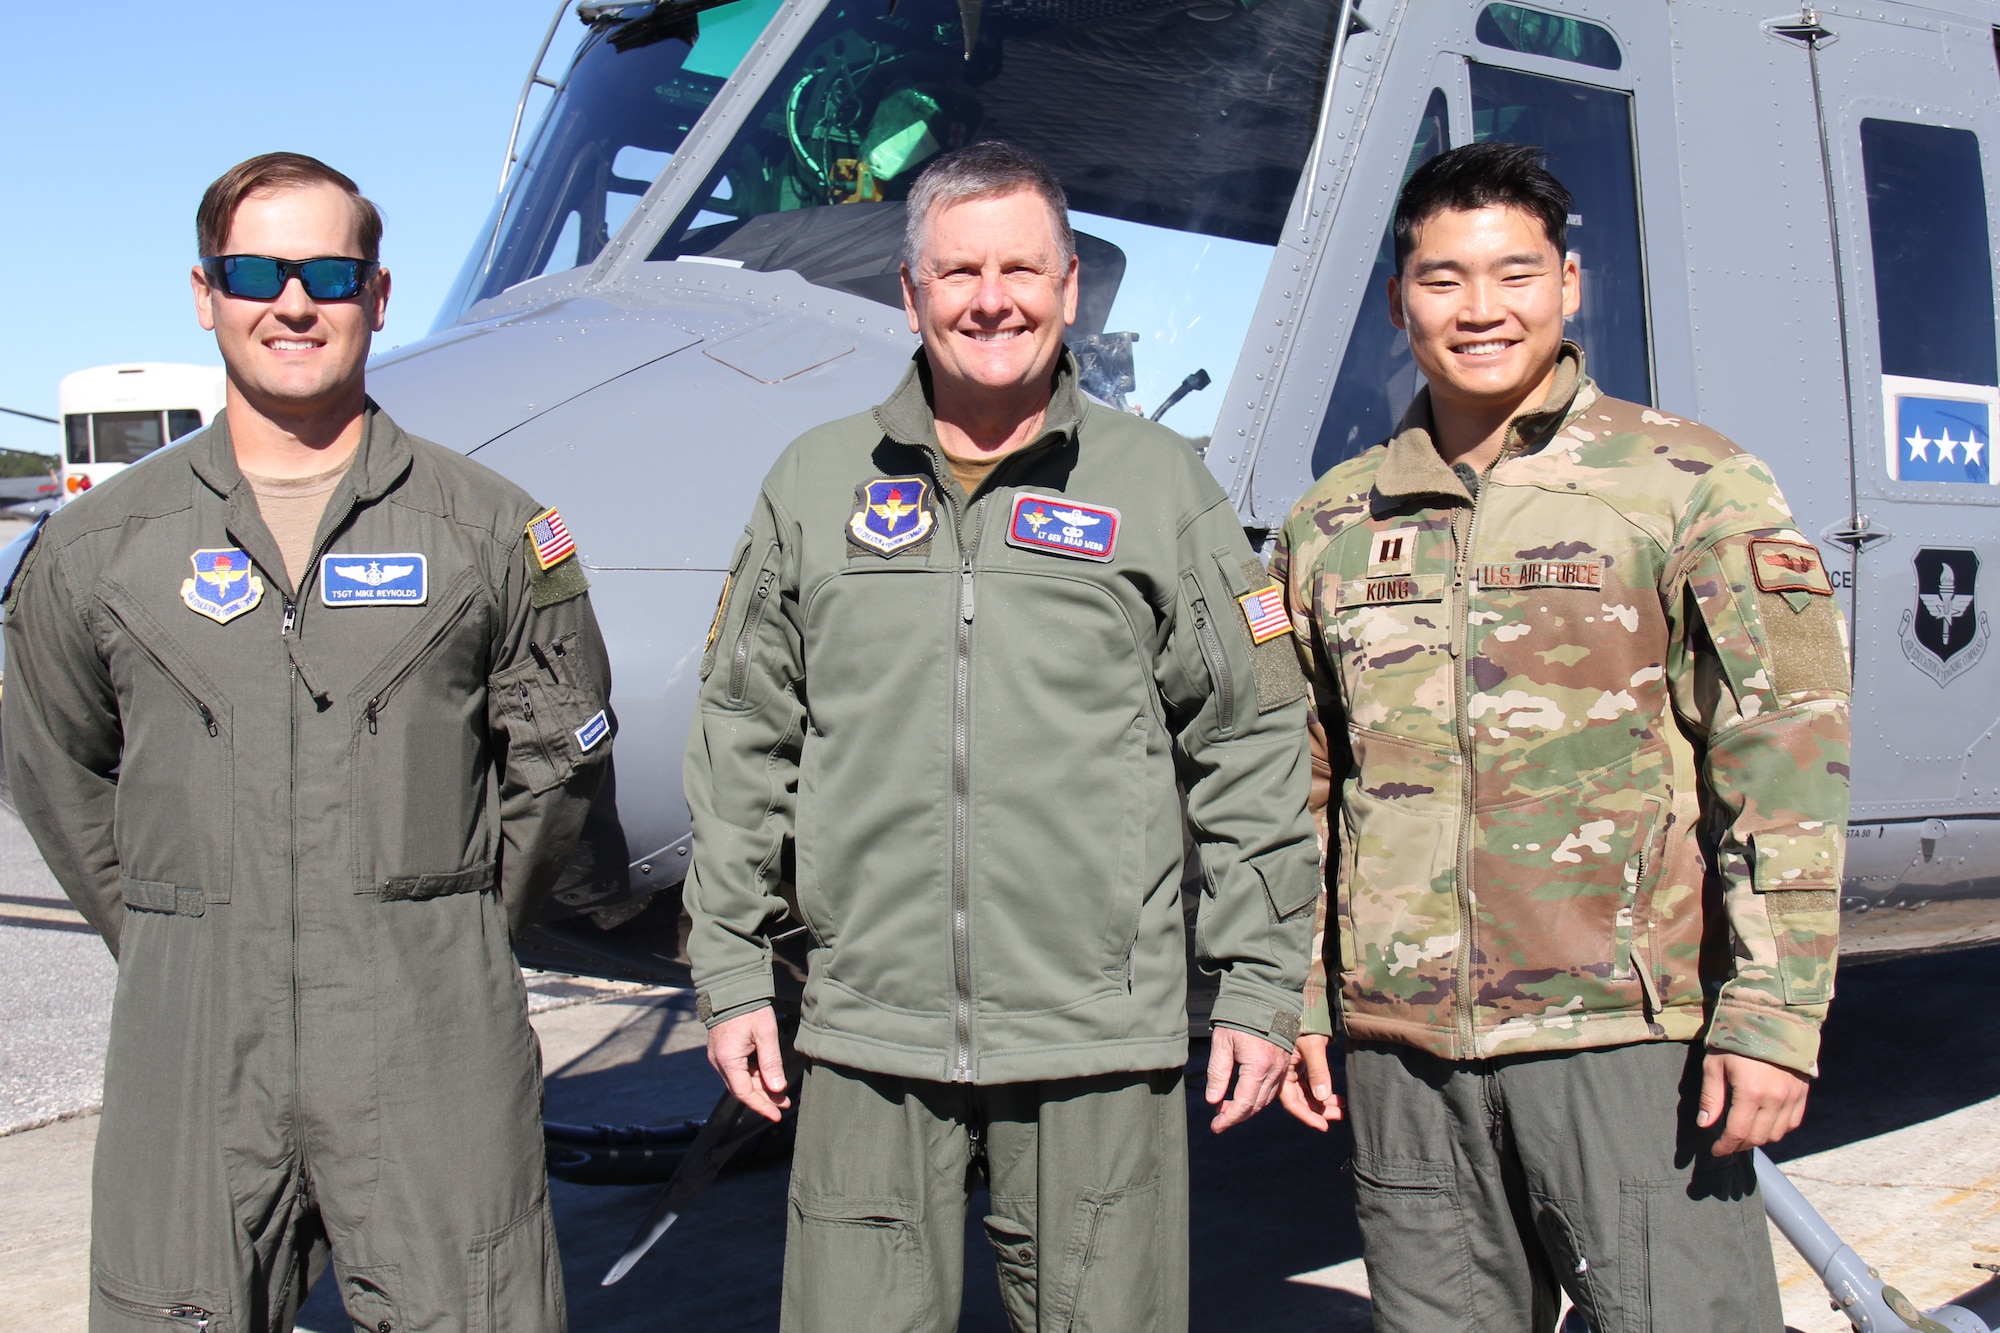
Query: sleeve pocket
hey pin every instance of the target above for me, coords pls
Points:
(1291, 880)
(1797, 875)
(552, 728)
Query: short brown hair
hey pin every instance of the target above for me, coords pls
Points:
(269, 173)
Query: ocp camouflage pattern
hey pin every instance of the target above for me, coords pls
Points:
(1591, 767)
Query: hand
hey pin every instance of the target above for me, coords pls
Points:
(1765, 1101)
(1308, 1089)
(744, 1050)
(1259, 1066)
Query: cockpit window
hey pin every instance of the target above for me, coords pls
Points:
(1178, 131)
(631, 96)
(1534, 33)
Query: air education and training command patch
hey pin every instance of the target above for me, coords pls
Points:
(891, 514)
(1062, 526)
(224, 585)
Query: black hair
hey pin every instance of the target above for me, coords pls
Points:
(1483, 175)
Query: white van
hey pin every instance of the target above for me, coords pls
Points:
(113, 416)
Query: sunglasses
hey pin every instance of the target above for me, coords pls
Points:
(262, 278)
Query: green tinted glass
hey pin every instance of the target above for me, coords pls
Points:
(1532, 32)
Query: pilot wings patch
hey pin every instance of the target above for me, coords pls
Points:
(397, 579)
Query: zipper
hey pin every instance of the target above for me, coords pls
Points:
(180, 1310)
(961, 802)
(1467, 743)
(380, 699)
(739, 664)
(1218, 664)
(194, 700)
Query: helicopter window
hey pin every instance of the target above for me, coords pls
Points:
(1928, 238)
(1587, 134)
(1377, 377)
(1178, 133)
(630, 98)
(1534, 33)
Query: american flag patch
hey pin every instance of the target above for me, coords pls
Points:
(553, 544)
(1266, 613)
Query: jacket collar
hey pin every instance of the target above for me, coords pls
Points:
(906, 417)
(380, 460)
(1414, 467)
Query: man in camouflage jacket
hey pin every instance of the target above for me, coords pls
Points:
(1582, 688)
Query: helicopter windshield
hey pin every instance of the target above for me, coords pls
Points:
(1178, 130)
(633, 92)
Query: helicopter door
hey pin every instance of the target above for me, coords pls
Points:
(1908, 111)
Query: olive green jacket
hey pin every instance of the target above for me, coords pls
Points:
(284, 746)
(1588, 726)
(971, 741)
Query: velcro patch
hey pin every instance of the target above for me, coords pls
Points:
(592, 731)
(1394, 588)
(546, 587)
(891, 514)
(224, 585)
(1789, 566)
(1062, 526)
(1393, 552)
(398, 579)
(1541, 574)
(1265, 614)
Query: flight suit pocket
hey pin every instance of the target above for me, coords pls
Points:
(1113, 1266)
(367, 1295)
(854, 1264)
(551, 726)
(516, 1279)
(1797, 875)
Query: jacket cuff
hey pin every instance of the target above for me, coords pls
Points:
(1317, 1020)
(1785, 1037)
(1276, 1024)
(725, 998)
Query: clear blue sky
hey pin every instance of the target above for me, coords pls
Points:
(114, 116)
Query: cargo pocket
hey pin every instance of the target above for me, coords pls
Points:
(552, 727)
(1112, 1269)
(1014, 1260)
(516, 1279)
(1797, 875)
(367, 1294)
(1418, 1261)
(854, 1264)
(193, 1311)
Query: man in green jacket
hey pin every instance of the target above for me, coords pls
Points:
(968, 644)
(305, 715)
(1584, 691)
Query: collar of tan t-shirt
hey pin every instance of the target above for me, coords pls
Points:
(292, 508)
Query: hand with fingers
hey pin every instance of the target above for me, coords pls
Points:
(1258, 1066)
(1764, 1102)
(1308, 1088)
(745, 1051)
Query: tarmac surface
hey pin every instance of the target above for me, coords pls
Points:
(1898, 1150)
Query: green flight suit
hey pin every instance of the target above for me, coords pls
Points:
(307, 824)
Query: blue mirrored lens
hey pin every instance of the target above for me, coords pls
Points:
(252, 276)
(330, 279)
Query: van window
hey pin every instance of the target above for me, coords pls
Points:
(182, 421)
(1377, 376)
(1534, 33)
(1587, 133)
(76, 428)
(1928, 238)
(126, 437)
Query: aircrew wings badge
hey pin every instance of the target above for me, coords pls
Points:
(551, 540)
(224, 585)
(891, 514)
(1266, 614)
(1789, 566)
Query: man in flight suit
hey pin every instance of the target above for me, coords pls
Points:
(305, 714)
(1583, 687)
(969, 642)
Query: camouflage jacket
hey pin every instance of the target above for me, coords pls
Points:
(1589, 737)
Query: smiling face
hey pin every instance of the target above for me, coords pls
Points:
(294, 357)
(1483, 295)
(992, 296)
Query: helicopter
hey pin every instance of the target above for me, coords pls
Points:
(1785, 227)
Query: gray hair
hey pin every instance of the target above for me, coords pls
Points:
(978, 169)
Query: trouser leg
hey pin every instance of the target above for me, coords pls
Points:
(1648, 1230)
(875, 1231)
(1439, 1197)
(1089, 1184)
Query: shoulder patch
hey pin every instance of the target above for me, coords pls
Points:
(10, 593)
(546, 587)
(1274, 657)
(554, 572)
(1783, 565)
(549, 541)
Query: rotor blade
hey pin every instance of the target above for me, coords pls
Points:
(968, 18)
(728, 1128)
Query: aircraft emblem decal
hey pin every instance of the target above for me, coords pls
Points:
(224, 585)
(1943, 439)
(1945, 634)
(1062, 526)
(398, 579)
(891, 514)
